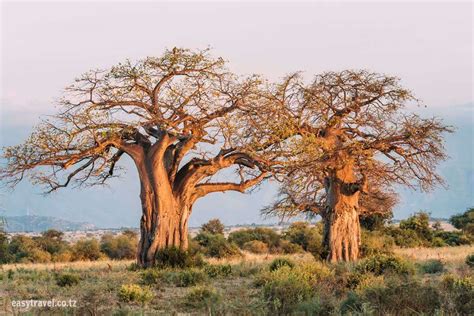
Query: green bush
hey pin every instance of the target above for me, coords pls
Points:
(86, 249)
(189, 277)
(179, 278)
(287, 247)
(431, 266)
(134, 293)
(375, 242)
(218, 270)
(382, 263)
(394, 298)
(24, 249)
(216, 246)
(202, 297)
(452, 238)
(464, 221)
(308, 238)
(255, 246)
(459, 294)
(123, 246)
(470, 260)
(280, 262)
(214, 226)
(67, 279)
(283, 291)
(150, 276)
(173, 257)
(266, 235)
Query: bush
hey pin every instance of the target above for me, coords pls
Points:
(453, 238)
(281, 262)
(375, 242)
(464, 221)
(395, 298)
(202, 297)
(214, 226)
(431, 266)
(86, 249)
(458, 295)
(308, 238)
(67, 279)
(218, 270)
(150, 276)
(266, 235)
(217, 246)
(173, 257)
(134, 293)
(288, 247)
(24, 249)
(188, 277)
(123, 246)
(405, 238)
(284, 290)
(380, 264)
(470, 260)
(256, 246)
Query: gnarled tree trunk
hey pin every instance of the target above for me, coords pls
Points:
(341, 218)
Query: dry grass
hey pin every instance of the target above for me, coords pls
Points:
(445, 254)
(252, 258)
(76, 265)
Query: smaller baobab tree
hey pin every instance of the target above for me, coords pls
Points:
(173, 115)
(356, 142)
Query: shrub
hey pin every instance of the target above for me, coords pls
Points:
(217, 246)
(189, 277)
(375, 242)
(266, 235)
(86, 249)
(173, 257)
(380, 264)
(52, 242)
(404, 238)
(288, 247)
(419, 223)
(470, 260)
(150, 276)
(431, 266)
(464, 221)
(256, 246)
(134, 293)
(202, 297)
(458, 295)
(308, 238)
(214, 226)
(179, 278)
(123, 246)
(453, 238)
(395, 298)
(284, 290)
(218, 270)
(67, 279)
(281, 262)
(25, 249)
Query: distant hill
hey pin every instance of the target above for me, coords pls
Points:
(33, 223)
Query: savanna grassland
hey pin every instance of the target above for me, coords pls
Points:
(409, 269)
(255, 284)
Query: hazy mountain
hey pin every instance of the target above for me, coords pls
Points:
(33, 223)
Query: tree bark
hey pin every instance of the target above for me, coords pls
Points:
(341, 218)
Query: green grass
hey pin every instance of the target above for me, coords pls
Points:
(249, 287)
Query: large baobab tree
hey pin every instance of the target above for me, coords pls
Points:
(175, 116)
(357, 141)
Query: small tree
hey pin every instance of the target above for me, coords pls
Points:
(356, 141)
(214, 226)
(464, 221)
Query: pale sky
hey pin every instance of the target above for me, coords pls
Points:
(45, 45)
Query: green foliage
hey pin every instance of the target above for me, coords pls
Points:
(202, 297)
(470, 260)
(180, 278)
(375, 221)
(217, 246)
(281, 262)
(123, 246)
(464, 221)
(383, 263)
(255, 246)
(173, 257)
(418, 223)
(5, 255)
(266, 235)
(134, 293)
(308, 238)
(431, 266)
(86, 249)
(394, 298)
(67, 279)
(214, 226)
(453, 238)
(375, 242)
(25, 249)
(218, 270)
(459, 293)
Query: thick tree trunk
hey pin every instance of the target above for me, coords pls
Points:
(342, 227)
(161, 227)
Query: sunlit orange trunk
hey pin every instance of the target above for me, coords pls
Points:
(342, 227)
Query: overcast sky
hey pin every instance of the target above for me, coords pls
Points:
(44, 46)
